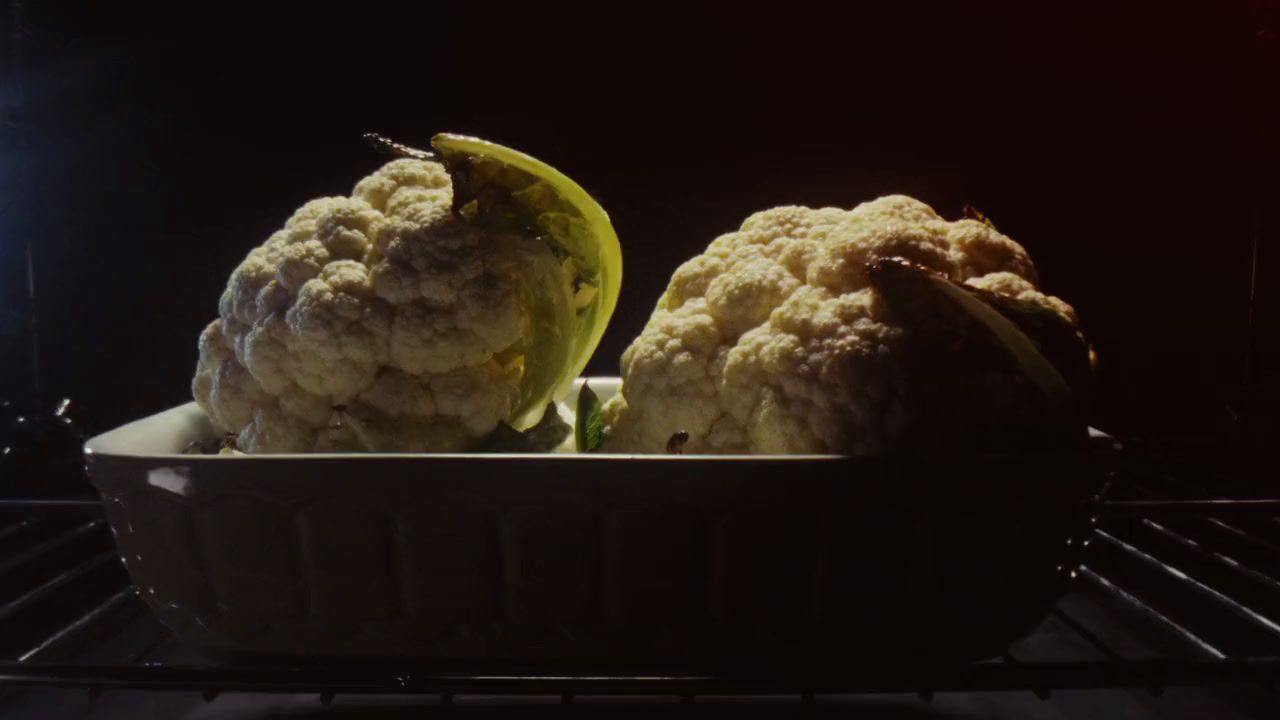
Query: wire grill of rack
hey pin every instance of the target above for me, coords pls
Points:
(1173, 588)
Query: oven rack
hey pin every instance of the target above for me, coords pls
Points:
(1174, 586)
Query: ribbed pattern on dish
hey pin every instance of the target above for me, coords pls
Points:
(573, 559)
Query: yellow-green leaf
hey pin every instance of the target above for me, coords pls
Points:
(509, 191)
(588, 426)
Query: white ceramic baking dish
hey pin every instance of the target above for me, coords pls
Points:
(584, 558)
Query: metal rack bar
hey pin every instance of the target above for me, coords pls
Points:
(1186, 508)
(50, 504)
(1245, 536)
(1260, 508)
(53, 585)
(77, 625)
(1089, 636)
(1222, 559)
(1249, 614)
(1152, 614)
(42, 548)
(987, 677)
(15, 528)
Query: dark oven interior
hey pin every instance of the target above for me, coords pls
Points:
(1132, 150)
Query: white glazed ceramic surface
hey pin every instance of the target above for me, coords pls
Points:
(581, 558)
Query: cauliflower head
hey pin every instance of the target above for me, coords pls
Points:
(774, 340)
(376, 322)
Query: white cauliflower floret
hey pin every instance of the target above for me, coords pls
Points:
(372, 322)
(773, 341)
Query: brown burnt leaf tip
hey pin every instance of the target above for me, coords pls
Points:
(388, 146)
(970, 212)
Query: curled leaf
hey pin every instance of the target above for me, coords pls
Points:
(510, 190)
(915, 288)
(502, 190)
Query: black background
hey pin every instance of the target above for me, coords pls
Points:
(1131, 147)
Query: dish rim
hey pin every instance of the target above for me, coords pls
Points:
(108, 445)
